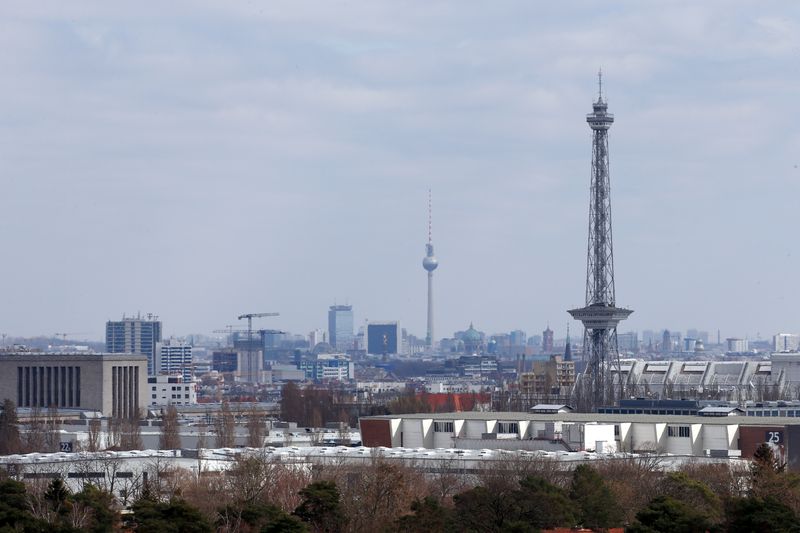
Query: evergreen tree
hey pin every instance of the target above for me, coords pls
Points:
(543, 505)
(427, 516)
(10, 442)
(595, 504)
(667, 515)
(321, 507)
(175, 516)
(760, 514)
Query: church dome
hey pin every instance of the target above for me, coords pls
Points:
(471, 335)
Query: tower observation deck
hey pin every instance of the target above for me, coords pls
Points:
(600, 316)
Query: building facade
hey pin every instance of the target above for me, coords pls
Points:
(134, 335)
(171, 390)
(113, 384)
(174, 357)
(340, 327)
(383, 338)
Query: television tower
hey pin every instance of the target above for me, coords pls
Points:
(600, 316)
(430, 263)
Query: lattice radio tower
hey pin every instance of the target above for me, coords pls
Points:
(600, 316)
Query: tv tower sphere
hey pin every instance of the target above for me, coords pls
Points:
(430, 262)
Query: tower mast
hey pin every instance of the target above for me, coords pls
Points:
(600, 316)
(430, 263)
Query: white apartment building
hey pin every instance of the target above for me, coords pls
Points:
(171, 390)
(173, 357)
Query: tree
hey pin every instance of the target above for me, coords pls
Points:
(170, 438)
(595, 504)
(480, 509)
(321, 507)
(104, 516)
(760, 514)
(225, 426)
(175, 516)
(695, 494)
(93, 435)
(667, 515)
(53, 430)
(427, 516)
(15, 513)
(292, 409)
(131, 433)
(256, 428)
(543, 505)
(9, 429)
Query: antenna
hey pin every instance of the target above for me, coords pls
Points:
(430, 218)
(600, 85)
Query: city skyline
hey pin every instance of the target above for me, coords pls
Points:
(279, 158)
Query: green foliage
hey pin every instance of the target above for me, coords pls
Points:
(427, 516)
(14, 511)
(595, 505)
(667, 515)
(543, 505)
(175, 516)
(695, 494)
(321, 507)
(10, 441)
(757, 514)
(263, 517)
(104, 515)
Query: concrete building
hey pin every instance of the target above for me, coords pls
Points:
(224, 360)
(328, 367)
(171, 390)
(696, 436)
(114, 384)
(172, 357)
(551, 379)
(340, 327)
(786, 342)
(134, 335)
(735, 345)
(547, 341)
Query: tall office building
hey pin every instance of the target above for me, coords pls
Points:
(135, 335)
(383, 338)
(340, 327)
(174, 357)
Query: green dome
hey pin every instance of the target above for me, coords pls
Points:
(471, 335)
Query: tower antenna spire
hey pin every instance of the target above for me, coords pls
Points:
(430, 218)
(600, 85)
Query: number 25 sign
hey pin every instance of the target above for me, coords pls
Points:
(774, 437)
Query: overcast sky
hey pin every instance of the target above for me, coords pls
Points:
(200, 160)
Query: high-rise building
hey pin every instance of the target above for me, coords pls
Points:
(600, 315)
(340, 327)
(136, 336)
(785, 342)
(547, 341)
(383, 338)
(666, 341)
(429, 263)
(517, 338)
(316, 337)
(174, 357)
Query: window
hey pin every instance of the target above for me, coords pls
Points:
(186, 396)
(616, 430)
(154, 396)
(154, 388)
(186, 388)
(507, 427)
(679, 431)
(443, 427)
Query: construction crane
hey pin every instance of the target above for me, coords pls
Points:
(250, 317)
(65, 335)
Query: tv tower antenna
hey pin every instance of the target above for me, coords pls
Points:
(600, 316)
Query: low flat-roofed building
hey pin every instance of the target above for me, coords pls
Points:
(114, 384)
(698, 436)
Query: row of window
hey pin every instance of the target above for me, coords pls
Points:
(502, 427)
(175, 388)
(174, 396)
(773, 413)
(679, 431)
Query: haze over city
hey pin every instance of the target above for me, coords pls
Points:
(200, 161)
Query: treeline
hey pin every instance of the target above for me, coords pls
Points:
(312, 407)
(519, 494)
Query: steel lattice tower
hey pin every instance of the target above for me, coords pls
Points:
(600, 316)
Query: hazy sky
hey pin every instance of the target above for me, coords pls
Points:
(199, 160)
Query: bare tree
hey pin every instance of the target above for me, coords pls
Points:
(131, 435)
(34, 440)
(225, 427)
(93, 438)
(256, 428)
(53, 430)
(170, 438)
(202, 433)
